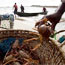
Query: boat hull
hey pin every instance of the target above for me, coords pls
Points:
(29, 14)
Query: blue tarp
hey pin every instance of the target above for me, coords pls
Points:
(5, 45)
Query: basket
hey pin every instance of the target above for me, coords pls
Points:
(32, 51)
(26, 35)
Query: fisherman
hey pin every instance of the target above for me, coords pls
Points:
(44, 9)
(15, 9)
(53, 18)
(22, 8)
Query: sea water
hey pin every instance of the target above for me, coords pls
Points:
(30, 21)
(28, 9)
(27, 23)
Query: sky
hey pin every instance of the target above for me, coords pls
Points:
(4, 3)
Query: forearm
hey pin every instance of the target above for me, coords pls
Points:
(63, 1)
(61, 9)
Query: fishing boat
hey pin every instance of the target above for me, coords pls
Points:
(30, 14)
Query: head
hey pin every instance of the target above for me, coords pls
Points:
(15, 3)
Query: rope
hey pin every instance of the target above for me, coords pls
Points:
(59, 32)
(54, 35)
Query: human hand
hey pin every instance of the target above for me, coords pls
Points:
(41, 22)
